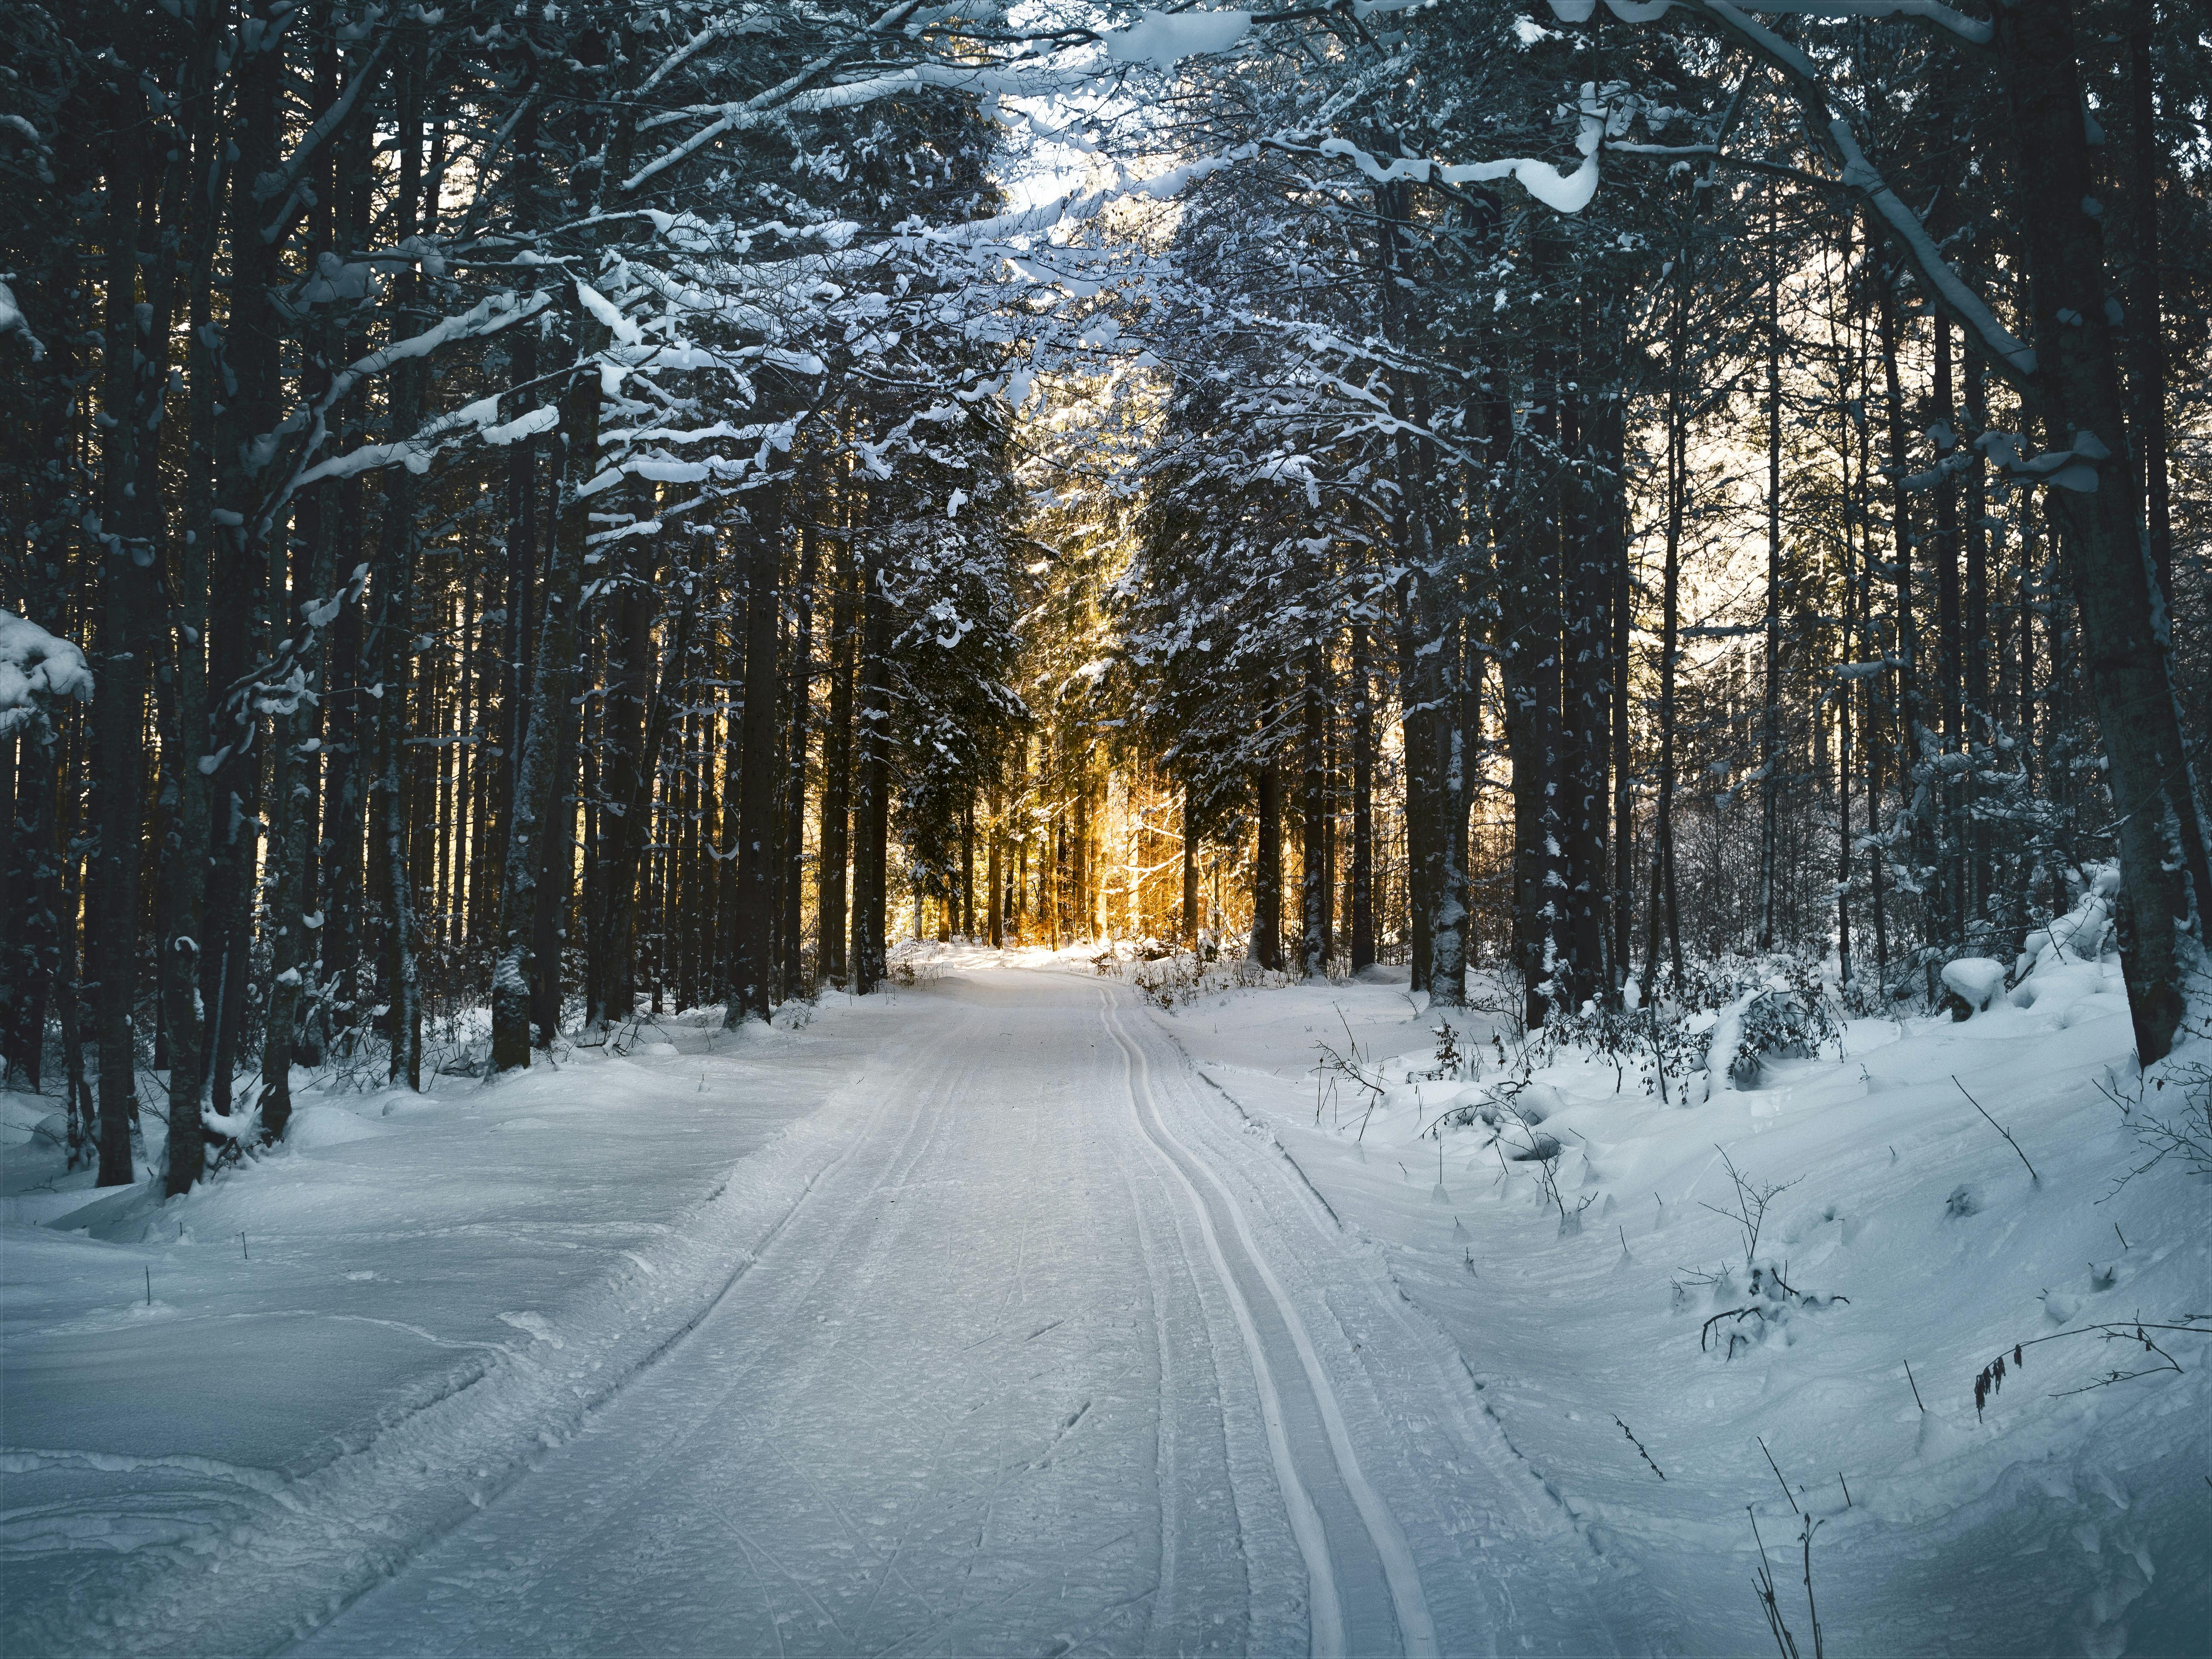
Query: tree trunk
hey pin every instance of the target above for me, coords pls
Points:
(794, 786)
(1666, 911)
(627, 792)
(537, 774)
(1770, 731)
(1315, 875)
(835, 841)
(181, 958)
(126, 599)
(2159, 827)
(753, 941)
(1950, 649)
(2145, 324)
(1586, 676)
(1363, 806)
(871, 795)
(1189, 875)
(390, 877)
(1267, 944)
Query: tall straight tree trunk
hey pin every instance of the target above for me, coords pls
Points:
(2159, 824)
(537, 770)
(753, 942)
(794, 787)
(1266, 946)
(835, 841)
(1418, 650)
(1533, 625)
(557, 873)
(390, 879)
(119, 681)
(611, 977)
(1666, 915)
(1975, 689)
(1189, 921)
(1078, 848)
(968, 868)
(635, 762)
(873, 788)
(1363, 805)
(994, 872)
(182, 958)
(1770, 731)
(1315, 874)
(293, 740)
(2146, 323)
(1950, 647)
(1586, 676)
(1909, 721)
(522, 550)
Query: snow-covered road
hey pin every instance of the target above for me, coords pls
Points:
(1053, 1357)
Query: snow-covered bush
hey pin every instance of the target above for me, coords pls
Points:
(36, 667)
(1730, 1014)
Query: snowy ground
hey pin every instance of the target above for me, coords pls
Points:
(2058, 1523)
(1007, 1313)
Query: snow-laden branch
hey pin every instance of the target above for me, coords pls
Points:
(2011, 358)
(1563, 192)
(488, 316)
(1968, 30)
(762, 105)
(1952, 294)
(35, 665)
(285, 180)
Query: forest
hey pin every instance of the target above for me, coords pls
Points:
(518, 517)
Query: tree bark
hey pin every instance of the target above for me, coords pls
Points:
(1267, 944)
(834, 839)
(538, 776)
(2158, 823)
(1315, 875)
(1770, 730)
(753, 991)
(1363, 806)
(871, 793)
(118, 678)
(800, 728)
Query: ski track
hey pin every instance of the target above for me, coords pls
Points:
(1040, 1351)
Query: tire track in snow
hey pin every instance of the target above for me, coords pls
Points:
(1300, 1477)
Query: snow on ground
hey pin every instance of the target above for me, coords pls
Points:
(2055, 1522)
(220, 1411)
(1007, 1312)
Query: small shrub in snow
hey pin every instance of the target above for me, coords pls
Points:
(1450, 1061)
(1769, 1302)
(2170, 1115)
(1790, 1017)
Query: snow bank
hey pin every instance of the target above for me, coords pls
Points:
(1610, 1292)
(227, 1414)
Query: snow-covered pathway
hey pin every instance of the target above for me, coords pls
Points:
(1041, 1363)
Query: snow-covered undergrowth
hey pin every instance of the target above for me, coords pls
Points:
(1658, 1296)
(226, 1413)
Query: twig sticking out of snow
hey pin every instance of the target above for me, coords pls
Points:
(1776, 1467)
(1989, 1380)
(2001, 1130)
(1640, 1452)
